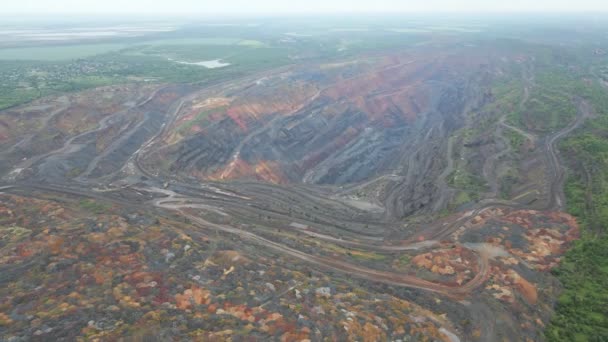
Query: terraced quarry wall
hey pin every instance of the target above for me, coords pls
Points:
(363, 199)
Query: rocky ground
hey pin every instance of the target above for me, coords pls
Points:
(361, 200)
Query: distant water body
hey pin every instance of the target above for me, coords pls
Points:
(211, 64)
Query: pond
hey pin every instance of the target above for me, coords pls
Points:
(211, 64)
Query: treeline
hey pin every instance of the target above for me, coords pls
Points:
(581, 313)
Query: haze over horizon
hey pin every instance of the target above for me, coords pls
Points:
(243, 7)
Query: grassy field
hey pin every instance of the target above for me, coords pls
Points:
(94, 206)
(469, 186)
(252, 43)
(199, 119)
(234, 54)
(516, 140)
(78, 67)
(58, 53)
(193, 41)
(10, 97)
(544, 111)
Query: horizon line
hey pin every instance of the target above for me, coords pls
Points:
(308, 13)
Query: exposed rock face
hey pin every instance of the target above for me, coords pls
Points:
(350, 124)
(328, 125)
(335, 130)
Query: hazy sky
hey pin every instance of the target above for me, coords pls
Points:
(292, 6)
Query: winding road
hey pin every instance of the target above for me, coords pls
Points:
(391, 278)
(221, 200)
(176, 202)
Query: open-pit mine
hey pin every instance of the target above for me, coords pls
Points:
(376, 196)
